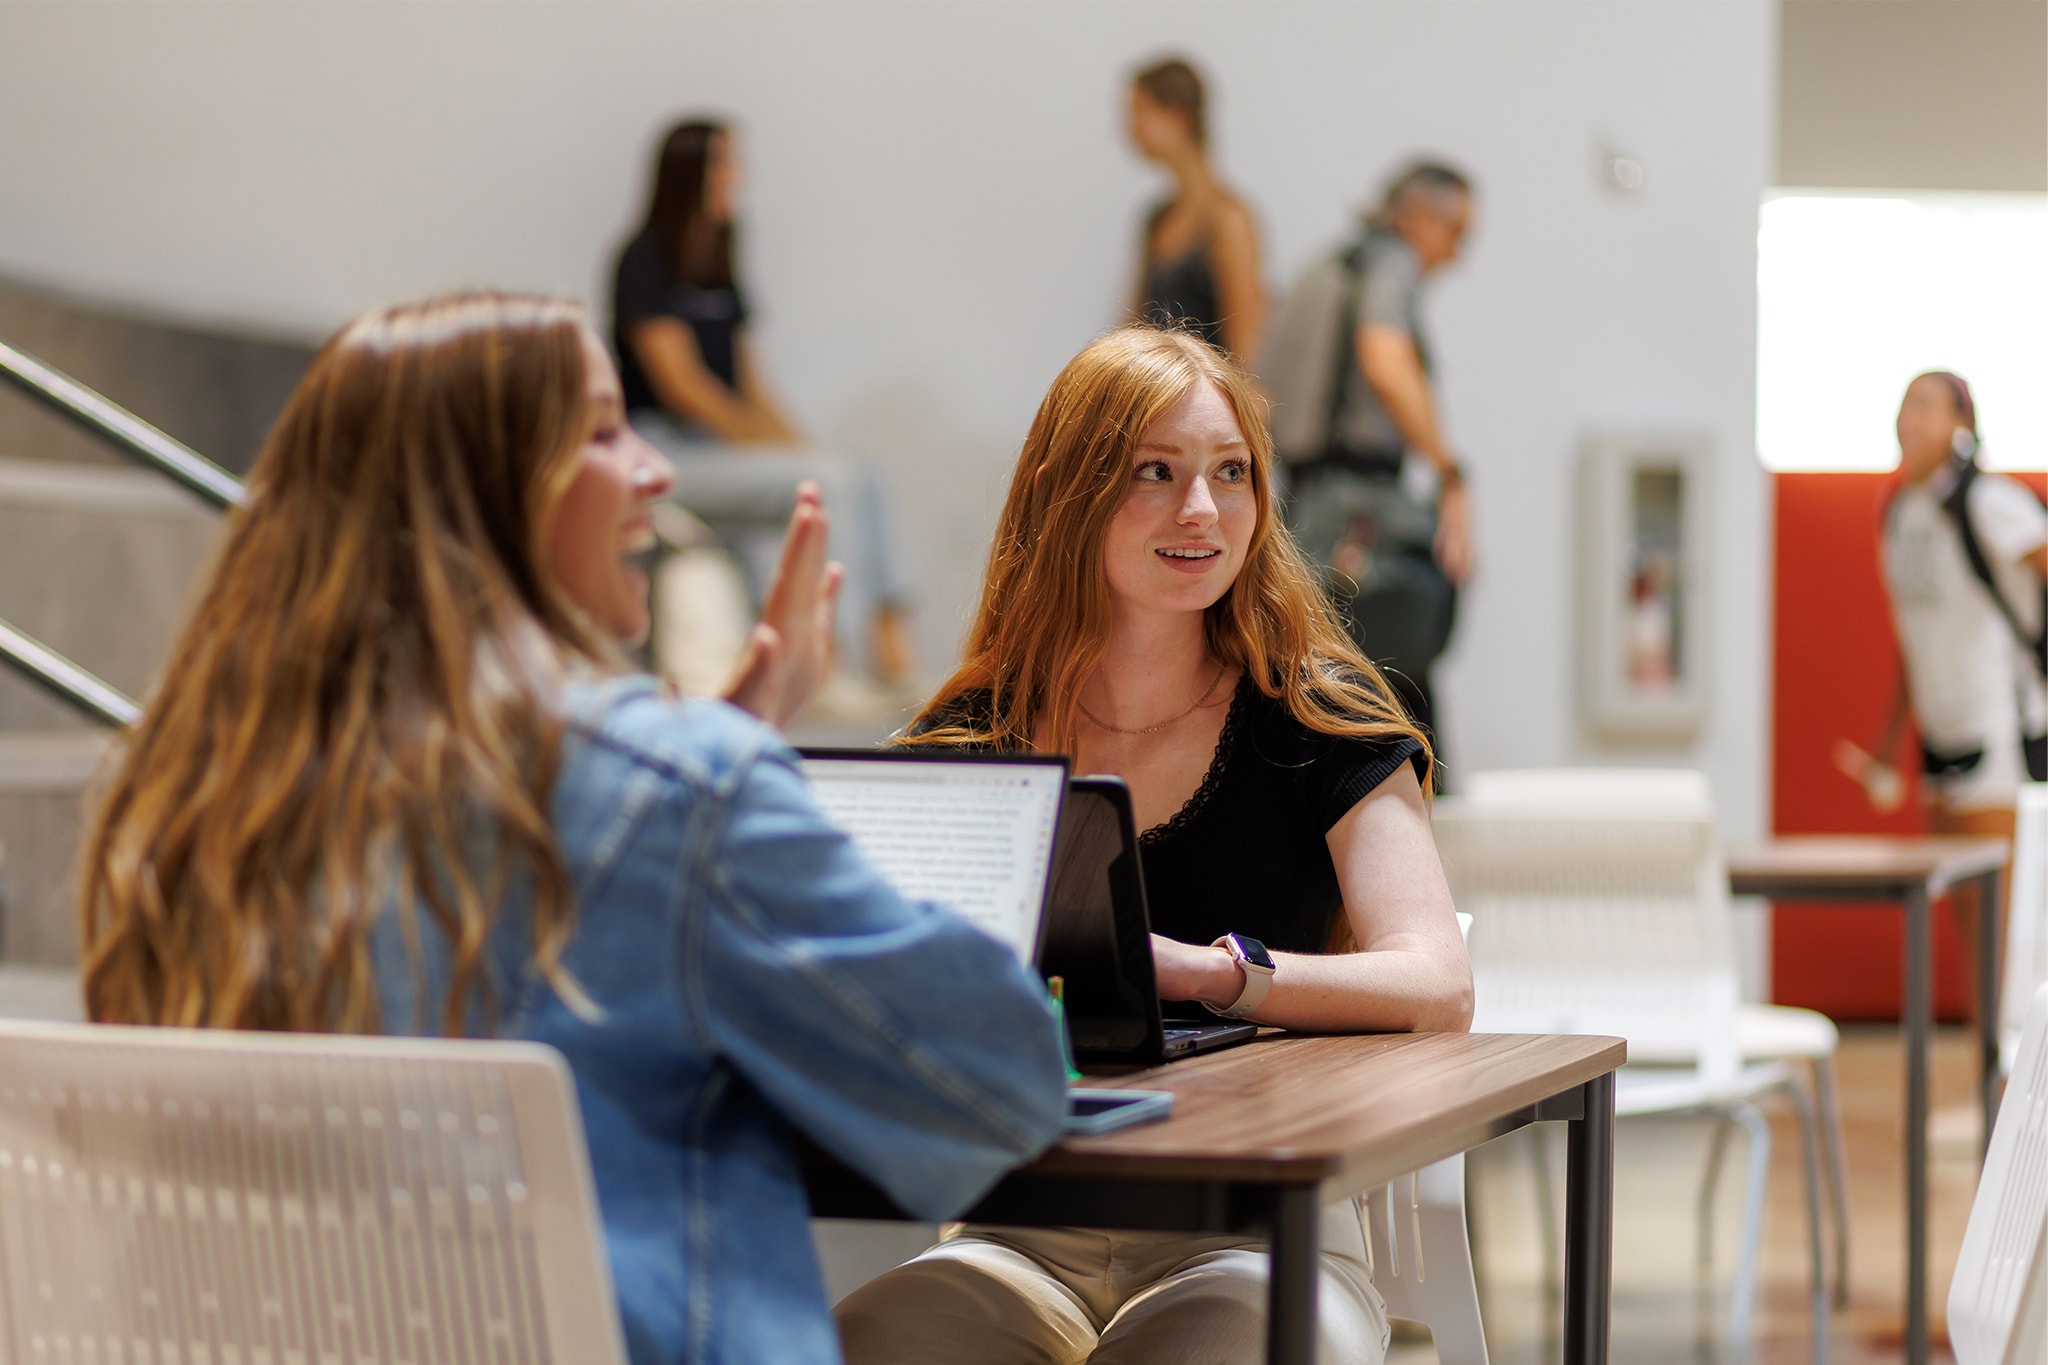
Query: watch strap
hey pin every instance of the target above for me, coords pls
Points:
(1257, 981)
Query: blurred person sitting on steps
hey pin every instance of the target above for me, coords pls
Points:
(1376, 496)
(694, 386)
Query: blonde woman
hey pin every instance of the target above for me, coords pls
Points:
(1145, 611)
(398, 776)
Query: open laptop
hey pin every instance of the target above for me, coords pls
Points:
(1098, 937)
(973, 831)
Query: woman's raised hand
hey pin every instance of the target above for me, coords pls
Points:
(790, 650)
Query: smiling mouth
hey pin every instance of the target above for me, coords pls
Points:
(1189, 553)
(639, 542)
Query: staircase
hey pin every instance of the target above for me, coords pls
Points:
(97, 560)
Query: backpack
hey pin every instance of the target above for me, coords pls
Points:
(1309, 353)
(1956, 506)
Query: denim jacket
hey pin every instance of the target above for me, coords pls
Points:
(757, 979)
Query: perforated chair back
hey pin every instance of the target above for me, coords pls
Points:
(172, 1195)
(1684, 788)
(2026, 944)
(1998, 1302)
(1598, 908)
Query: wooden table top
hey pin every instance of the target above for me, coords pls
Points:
(1846, 866)
(1356, 1109)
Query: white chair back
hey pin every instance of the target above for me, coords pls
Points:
(1998, 1302)
(180, 1195)
(2026, 942)
(1682, 787)
(1599, 907)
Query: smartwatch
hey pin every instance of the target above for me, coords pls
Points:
(1257, 963)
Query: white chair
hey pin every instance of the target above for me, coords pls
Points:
(1421, 1258)
(2026, 930)
(179, 1195)
(1998, 1302)
(1763, 1033)
(1605, 910)
(1420, 1252)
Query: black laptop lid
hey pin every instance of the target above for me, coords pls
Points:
(1096, 933)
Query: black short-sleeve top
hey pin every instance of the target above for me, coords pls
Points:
(644, 287)
(1248, 853)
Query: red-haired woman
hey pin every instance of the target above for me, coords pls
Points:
(1145, 611)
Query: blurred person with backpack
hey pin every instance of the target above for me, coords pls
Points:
(1199, 264)
(1376, 496)
(1965, 558)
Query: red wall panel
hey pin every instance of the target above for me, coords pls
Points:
(1835, 664)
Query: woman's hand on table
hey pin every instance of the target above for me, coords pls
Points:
(790, 650)
(1184, 971)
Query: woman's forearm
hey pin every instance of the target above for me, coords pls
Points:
(1391, 990)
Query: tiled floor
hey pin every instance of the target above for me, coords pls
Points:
(1660, 1313)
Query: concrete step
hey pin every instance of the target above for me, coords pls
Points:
(44, 778)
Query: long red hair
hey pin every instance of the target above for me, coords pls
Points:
(1044, 620)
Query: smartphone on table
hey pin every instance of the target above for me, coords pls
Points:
(1104, 1111)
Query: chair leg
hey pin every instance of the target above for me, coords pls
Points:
(1546, 1214)
(1455, 1324)
(1744, 1306)
(1809, 1153)
(1710, 1181)
(1836, 1153)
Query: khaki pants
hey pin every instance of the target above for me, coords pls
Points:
(1062, 1296)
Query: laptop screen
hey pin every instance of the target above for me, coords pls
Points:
(972, 833)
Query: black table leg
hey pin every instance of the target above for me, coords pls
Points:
(1296, 1248)
(1919, 1017)
(1990, 957)
(1589, 1225)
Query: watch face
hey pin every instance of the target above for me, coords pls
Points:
(1254, 951)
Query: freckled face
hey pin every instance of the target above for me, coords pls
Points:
(603, 521)
(1181, 536)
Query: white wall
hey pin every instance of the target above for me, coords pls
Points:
(941, 210)
(1913, 94)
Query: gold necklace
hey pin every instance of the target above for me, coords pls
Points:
(1203, 696)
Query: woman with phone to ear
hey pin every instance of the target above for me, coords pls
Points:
(1146, 611)
(1964, 559)
(400, 776)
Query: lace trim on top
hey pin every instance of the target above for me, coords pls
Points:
(1219, 764)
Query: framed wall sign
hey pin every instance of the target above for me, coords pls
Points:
(1643, 538)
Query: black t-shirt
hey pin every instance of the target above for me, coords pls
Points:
(644, 288)
(1248, 853)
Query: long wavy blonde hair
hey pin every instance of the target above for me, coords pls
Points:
(362, 692)
(1044, 620)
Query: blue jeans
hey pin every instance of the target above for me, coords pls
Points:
(745, 497)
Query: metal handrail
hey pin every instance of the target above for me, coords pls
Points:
(121, 428)
(137, 439)
(66, 681)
